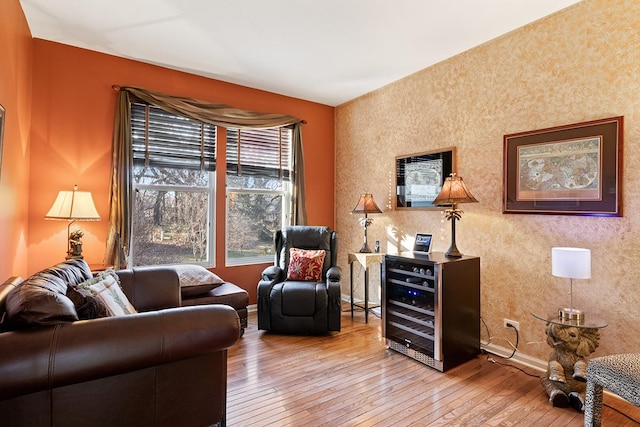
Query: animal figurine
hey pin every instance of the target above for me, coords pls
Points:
(566, 378)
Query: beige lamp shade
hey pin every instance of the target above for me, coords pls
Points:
(454, 191)
(73, 205)
(366, 205)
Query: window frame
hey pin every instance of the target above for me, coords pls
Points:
(285, 214)
(235, 167)
(151, 149)
(210, 190)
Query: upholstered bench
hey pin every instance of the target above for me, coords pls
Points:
(619, 373)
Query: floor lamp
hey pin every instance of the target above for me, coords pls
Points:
(73, 206)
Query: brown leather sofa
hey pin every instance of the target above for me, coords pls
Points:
(164, 366)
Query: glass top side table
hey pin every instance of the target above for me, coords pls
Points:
(588, 322)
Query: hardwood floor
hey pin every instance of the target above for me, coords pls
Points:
(351, 379)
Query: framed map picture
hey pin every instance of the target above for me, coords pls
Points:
(419, 177)
(573, 170)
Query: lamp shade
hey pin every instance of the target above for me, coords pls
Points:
(73, 205)
(573, 263)
(366, 205)
(454, 191)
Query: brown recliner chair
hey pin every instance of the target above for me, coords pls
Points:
(295, 306)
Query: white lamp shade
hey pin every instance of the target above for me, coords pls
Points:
(573, 263)
(74, 205)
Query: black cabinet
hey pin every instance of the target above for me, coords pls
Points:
(431, 307)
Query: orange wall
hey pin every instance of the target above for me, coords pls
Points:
(16, 51)
(72, 120)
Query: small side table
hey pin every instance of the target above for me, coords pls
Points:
(365, 260)
(588, 323)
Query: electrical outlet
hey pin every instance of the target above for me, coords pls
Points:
(508, 323)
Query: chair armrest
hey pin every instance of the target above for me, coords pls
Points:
(69, 353)
(334, 274)
(151, 287)
(273, 273)
(334, 292)
(270, 276)
(334, 287)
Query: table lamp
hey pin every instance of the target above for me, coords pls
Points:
(366, 205)
(73, 206)
(572, 263)
(453, 192)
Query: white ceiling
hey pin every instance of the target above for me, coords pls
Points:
(326, 51)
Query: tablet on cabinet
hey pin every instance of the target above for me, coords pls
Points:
(422, 244)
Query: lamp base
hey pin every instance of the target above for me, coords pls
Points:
(453, 252)
(571, 314)
(365, 249)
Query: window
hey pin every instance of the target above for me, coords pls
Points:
(174, 187)
(258, 192)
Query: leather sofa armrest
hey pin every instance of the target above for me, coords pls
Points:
(5, 288)
(70, 353)
(151, 287)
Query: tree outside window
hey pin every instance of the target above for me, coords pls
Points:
(258, 192)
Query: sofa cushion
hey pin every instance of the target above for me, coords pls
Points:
(42, 300)
(87, 305)
(32, 305)
(305, 265)
(100, 296)
(71, 271)
(227, 293)
(196, 280)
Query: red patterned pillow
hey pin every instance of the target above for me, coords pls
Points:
(305, 265)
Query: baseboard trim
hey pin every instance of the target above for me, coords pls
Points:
(522, 359)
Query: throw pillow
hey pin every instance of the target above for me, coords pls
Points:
(305, 265)
(87, 305)
(100, 297)
(196, 280)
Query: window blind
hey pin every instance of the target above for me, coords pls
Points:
(259, 152)
(163, 139)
